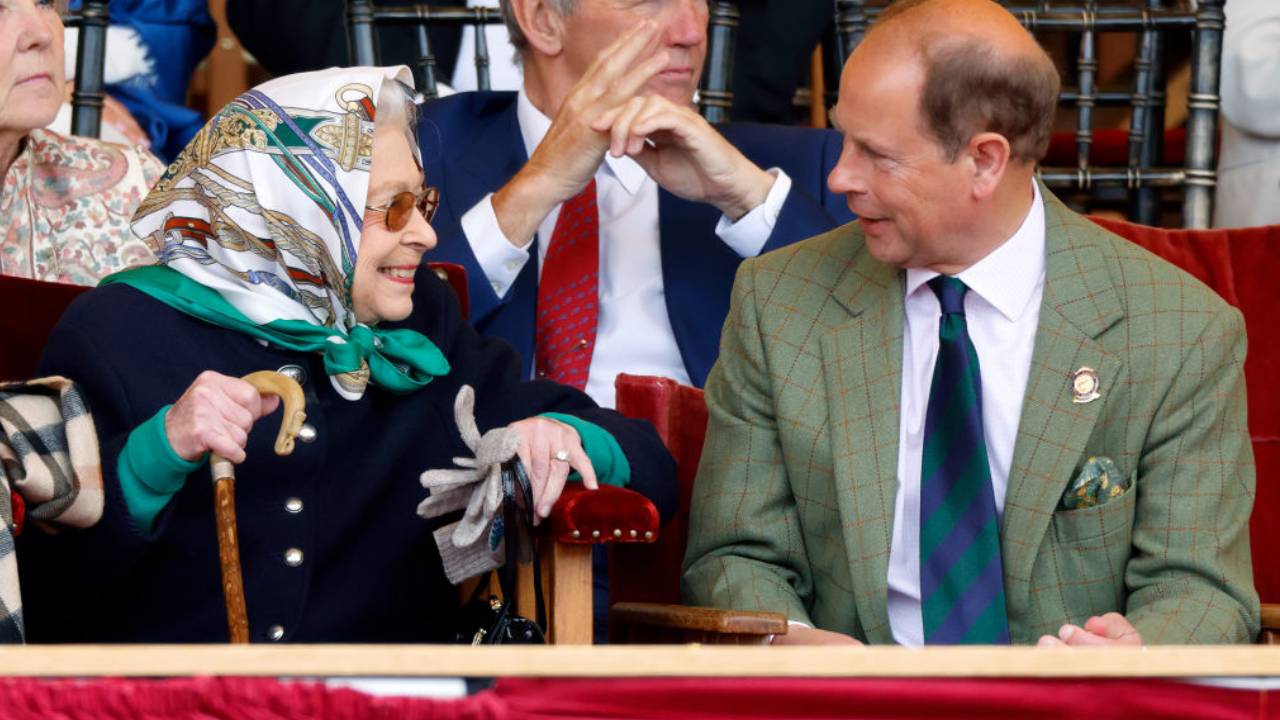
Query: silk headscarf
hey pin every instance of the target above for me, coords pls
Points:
(257, 225)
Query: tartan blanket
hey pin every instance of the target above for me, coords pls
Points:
(49, 473)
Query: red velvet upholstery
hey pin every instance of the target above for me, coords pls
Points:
(679, 413)
(1110, 148)
(28, 311)
(1241, 264)
(456, 276)
(607, 515)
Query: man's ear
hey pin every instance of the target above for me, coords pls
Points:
(543, 26)
(989, 154)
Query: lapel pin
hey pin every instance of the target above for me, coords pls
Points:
(1084, 386)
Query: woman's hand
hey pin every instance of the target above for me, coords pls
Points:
(541, 441)
(215, 415)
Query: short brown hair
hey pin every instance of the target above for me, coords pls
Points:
(970, 89)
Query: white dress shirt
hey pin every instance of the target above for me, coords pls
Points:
(1002, 312)
(633, 334)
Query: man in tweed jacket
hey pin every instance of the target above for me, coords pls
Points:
(1093, 354)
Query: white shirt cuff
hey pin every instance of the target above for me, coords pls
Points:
(498, 258)
(748, 235)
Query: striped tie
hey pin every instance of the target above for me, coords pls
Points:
(961, 575)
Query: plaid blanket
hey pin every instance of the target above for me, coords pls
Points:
(49, 473)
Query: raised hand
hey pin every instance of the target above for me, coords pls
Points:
(571, 151)
(684, 154)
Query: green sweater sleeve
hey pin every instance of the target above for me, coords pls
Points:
(602, 449)
(150, 471)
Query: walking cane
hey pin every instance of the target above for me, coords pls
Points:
(267, 382)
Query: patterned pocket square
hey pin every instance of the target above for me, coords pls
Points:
(1098, 483)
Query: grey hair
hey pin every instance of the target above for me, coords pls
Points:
(518, 40)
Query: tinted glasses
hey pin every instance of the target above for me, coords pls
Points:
(401, 206)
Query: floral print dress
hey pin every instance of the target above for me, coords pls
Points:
(66, 206)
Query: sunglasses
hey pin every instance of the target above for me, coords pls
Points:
(400, 207)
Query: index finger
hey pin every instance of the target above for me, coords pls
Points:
(614, 60)
(579, 461)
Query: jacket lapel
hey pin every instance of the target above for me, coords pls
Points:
(862, 361)
(1080, 302)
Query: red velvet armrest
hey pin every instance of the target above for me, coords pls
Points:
(607, 515)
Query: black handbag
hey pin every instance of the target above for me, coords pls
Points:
(486, 619)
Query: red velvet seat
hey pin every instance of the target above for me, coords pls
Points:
(1240, 264)
(28, 311)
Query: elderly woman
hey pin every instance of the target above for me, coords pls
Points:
(288, 232)
(66, 201)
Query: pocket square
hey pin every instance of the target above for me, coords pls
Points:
(1098, 483)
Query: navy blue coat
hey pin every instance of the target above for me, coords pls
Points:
(370, 572)
(471, 146)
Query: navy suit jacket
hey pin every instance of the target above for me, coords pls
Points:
(471, 146)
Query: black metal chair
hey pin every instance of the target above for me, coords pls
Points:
(364, 15)
(91, 57)
(715, 96)
(1142, 177)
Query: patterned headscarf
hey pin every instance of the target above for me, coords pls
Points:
(257, 226)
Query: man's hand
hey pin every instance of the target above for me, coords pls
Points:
(1109, 629)
(541, 439)
(797, 635)
(567, 158)
(685, 155)
(215, 415)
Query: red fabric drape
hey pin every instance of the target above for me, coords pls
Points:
(803, 699)
(219, 698)
(612, 698)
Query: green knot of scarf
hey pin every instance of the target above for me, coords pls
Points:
(399, 360)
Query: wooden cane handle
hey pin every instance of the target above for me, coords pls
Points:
(266, 382)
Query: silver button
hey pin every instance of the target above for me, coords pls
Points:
(293, 557)
(275, 633)
(307, 433)
(295, 373)
(293, 505)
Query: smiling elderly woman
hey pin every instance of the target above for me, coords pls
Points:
(66, 202)
(288, 231)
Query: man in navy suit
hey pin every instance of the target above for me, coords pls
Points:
(606, 110)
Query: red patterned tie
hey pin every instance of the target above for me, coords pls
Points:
(568, 293)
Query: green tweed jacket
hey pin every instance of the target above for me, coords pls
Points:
(793, 506)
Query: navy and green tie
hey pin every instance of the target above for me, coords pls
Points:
(961, 574)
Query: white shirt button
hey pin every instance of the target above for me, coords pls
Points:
(497, 287)
(293, 557)
(275, 633)
(293, 505)
(513, 265)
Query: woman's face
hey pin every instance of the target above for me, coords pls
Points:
(31, 74)
(386, 260)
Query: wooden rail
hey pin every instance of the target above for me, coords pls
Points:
(635, 661)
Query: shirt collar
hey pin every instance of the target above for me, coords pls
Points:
(1008, 276)
(534, 126)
